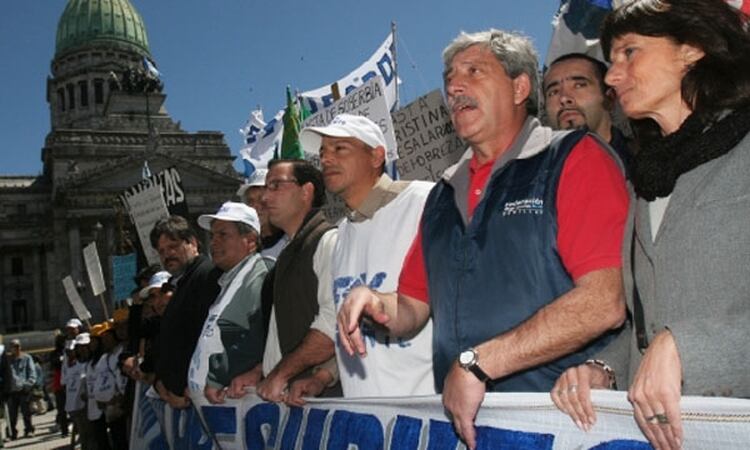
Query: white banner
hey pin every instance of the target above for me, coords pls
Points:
(505, 421)
(381, 63)
(75, 300)
(94, 268)
(427, 141)
(146, 207)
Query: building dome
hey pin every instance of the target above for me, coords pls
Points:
(113, 22)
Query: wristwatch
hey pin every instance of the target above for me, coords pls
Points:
(469, 360)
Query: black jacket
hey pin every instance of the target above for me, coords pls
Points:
(183, 320)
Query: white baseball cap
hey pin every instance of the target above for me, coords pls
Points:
(157, 280)
(232, 212)
(345, 125)
(257, 179)
(83, 339)
(73, 323)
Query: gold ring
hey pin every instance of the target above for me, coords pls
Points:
(659, 418)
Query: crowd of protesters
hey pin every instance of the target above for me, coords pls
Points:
(505, 275)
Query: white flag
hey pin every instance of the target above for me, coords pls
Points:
(261, 140)
(253, 126)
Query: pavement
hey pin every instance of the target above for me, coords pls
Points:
(44, 438)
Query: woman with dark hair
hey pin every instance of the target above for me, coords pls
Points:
(680, 71)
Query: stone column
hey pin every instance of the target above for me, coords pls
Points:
(36, 311)
(4, 306)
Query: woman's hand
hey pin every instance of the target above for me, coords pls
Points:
(655, 393)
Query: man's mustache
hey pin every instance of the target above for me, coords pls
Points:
(563, 111)
(462, 101)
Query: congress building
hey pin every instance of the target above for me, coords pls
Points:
(108, 124)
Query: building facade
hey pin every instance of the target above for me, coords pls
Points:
(107, 122)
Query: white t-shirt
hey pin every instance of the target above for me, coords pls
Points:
(109, 377)
(74, 383)
(325, 321)
(93, 411)
(371, 253)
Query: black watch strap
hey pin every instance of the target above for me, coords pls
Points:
(479, 373)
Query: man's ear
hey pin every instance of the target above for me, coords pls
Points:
(309, 191)
(521, 89)
(194, 242)
(378, 157)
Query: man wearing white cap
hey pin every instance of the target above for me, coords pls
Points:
(373, 240)
(75, 386)
(232, 338)
(251, 194)
(73, 328)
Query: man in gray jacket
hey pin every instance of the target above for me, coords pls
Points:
(231, 342)
(22, 377)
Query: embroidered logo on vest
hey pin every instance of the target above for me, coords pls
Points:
(525, 206)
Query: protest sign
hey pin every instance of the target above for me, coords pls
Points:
(124, 269)
(146, 207)
(94, 268)
(169, 183)
(75, 300)
(427, 142)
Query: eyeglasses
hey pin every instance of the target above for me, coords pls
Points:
(274, 185)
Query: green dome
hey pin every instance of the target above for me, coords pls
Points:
(90, 21)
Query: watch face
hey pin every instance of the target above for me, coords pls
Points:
(466, 358)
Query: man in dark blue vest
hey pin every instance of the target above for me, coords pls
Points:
(517, 258)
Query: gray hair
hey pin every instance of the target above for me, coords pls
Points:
(244, 229)
(513, 50)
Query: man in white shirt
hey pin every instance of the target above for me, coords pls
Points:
(76, 391)
(373, 240)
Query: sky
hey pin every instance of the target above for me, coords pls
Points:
(220, 59)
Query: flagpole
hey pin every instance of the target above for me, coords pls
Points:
(395, 61)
